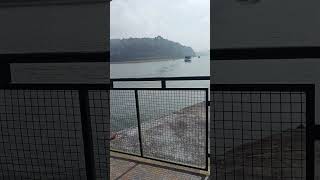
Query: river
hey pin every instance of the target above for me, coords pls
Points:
(163, 68)
(155, 104)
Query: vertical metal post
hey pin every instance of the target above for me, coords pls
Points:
(316, 133)
(310, 140)
(87, 134)
(138, 118)
(111, 84)
(5, 74)
(207, 131)
(163, 84)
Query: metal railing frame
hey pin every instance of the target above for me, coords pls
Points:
(61, 57)
(83, 90)
(163, 81)
(312, 130)
(139, 122)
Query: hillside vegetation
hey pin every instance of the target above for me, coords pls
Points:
(133, 49)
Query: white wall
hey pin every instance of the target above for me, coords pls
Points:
(54, 28)
(301, 71)
(267, 23)
(61, 73)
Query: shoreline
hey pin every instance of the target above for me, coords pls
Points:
(143, 61)
(148, 60)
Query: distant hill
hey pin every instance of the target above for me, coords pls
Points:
(203, 53)
(134, 49)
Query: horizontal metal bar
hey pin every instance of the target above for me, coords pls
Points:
(262, 87)
(182, 165)
(59, 57)
(84, 86)
(265, 53)
(163, 89)
(188, 78)
(56, 86)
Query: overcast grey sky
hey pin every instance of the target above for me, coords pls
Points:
(183, 21)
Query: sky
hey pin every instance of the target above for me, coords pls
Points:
(183, 21)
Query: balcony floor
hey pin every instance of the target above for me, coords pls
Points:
(128, 168)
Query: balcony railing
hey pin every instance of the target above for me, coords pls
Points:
(262, 131)
(162, 123)
(53, 131)
(62, 130)
(163, 80)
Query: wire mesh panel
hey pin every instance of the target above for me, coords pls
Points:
(100, 114)
(124, 124)
(258, 134)
(41, 135)
(174, 125)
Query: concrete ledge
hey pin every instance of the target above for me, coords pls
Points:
(159, 164)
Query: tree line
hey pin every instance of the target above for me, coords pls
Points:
(147, 48)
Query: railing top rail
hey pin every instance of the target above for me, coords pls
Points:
(257, 53)
(262, 87)
(55, 86)
(189, 78)
(164, 89)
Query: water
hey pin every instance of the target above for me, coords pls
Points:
(163, 68)
(123, 112)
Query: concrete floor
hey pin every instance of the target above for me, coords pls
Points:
(123, 168)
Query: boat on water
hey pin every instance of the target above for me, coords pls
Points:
(187, 59)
